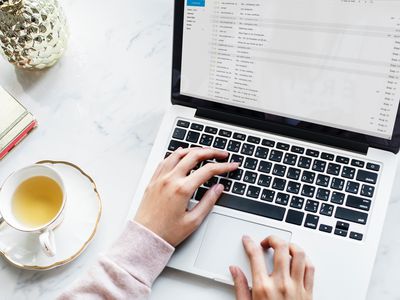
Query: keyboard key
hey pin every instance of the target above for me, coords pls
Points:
(220, 143)
(167, 154)
(239, 188)
(193, 137)
(250, 163)
(312, 153)
(173, 145)
(297, 202)
(366, 176)
(267, 195)
(326, 209)
(253, 139)
(268, 143)
(261, 152)
(293, 173)
(211, 130)
(333, 169)
(323, 194)
(311, 221)
(325, 228)
(342, 225)
(283, 146)
(327, 156)
(337, 198)
(308, 191)
(304, 162)
(210, 182)
(248, 149)
(351, 215)
(348, 172)
(237, 174)
(356, 236)
(358, 202)
(239, 136)
(253, 207)
(290, 159)
(337, 184)
(342, 159)
(322, 180)
(264, 180)
(279, 170)
(319, 165)
(341, 232)
(179, 133)
(279, 184)
(200, 193)
(253, 192)
(308, 176)
(206, 139)
(312, 206)
(357, 163)
(373, 167)
(226, 183)
(264, 166)
(367, 190)
(233, 146)
(293, 187)
(182, 123)
(250, 177)
(197, 127)
(237, 158)
(294, 217)
(276, 155)
(297, 149)
(225, 133)
(352, 187)
(282, 198)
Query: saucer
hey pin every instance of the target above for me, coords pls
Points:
(72, 236)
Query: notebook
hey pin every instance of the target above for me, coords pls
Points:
(15, 123)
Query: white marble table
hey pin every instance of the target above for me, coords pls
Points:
(100, 107)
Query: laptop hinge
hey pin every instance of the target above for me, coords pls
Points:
(281, 129)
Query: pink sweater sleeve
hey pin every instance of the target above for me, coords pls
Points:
(128, 270)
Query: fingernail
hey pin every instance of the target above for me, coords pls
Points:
(233, 271)
(245, 238)
(218, 188)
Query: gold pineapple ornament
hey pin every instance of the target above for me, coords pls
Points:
(33, 33)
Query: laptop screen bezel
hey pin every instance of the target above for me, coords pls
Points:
(177, 98)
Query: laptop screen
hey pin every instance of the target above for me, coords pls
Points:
(330, 62)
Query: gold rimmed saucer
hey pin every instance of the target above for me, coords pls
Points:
(73, 235)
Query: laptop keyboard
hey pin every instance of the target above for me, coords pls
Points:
(301, 186)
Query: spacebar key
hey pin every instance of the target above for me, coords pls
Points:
(252, 207)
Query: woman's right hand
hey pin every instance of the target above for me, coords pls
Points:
(292, 278)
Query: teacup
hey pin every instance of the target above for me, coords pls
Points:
(33, 200)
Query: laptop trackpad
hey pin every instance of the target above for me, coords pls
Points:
(222, 245)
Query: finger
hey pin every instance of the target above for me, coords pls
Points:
(203, 174)
(171, 161)
(195, 156)
(281, 255)
(205, 205)
(242, 290)
(309, 276)
(298, 263)
(257, 262)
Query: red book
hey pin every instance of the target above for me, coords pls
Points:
(15, 123)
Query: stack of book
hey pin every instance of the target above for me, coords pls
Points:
(15, 123)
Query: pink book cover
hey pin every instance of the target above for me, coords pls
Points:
(15, 123)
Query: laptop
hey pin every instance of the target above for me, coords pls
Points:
(305, 95)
